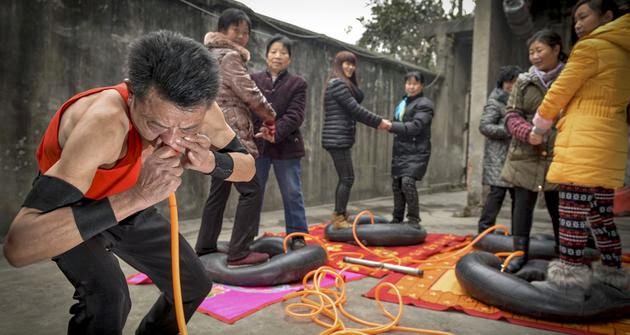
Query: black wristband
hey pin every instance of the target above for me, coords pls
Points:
(234, 146)
(93, 217)
(49, 193)
(223, 165)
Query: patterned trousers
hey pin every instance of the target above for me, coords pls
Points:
(580, 206)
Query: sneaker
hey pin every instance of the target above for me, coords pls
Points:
(252, 259)
(298, 243)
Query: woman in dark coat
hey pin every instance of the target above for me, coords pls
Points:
(342, 109)
(284, 149)
(411, 126)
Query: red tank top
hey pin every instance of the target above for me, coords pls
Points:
(106, 182)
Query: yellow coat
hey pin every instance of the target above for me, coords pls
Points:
(592, 93)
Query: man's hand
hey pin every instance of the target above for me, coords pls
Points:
(197, 153)
(160, 176)
(266, 134)
(534, 139)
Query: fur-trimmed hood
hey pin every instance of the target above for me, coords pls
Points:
(214, 40)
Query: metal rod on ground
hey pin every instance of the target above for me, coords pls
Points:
(373, 264)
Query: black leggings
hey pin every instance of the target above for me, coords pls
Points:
(523, 215)
(343, 164)
(143, 241)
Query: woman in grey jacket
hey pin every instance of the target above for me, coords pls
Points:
(342, 109)
(492, 126)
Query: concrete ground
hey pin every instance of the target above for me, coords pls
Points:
(36, 299)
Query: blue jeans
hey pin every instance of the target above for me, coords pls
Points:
(288, 174)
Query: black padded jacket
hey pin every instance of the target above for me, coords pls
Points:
(341, 113)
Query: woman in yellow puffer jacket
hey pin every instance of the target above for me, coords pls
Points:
(590, 96)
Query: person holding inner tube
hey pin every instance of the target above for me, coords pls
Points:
(589, 99)
(528, 158)
(411, 126)
(287, 94)
(342, 110)
(107, 157)
(492, 126)
(238, 95)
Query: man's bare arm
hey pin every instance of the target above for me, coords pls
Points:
(96, 140)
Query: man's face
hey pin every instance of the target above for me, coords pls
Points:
(162, 122)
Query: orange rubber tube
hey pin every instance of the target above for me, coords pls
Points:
(177, 286)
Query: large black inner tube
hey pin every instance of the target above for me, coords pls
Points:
(479, 274)
(379, 234)
(541, 246)
(280, 269)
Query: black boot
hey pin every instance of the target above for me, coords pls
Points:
(521, 243)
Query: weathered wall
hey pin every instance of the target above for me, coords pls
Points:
(53, 49)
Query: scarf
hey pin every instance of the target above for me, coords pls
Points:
(399, 111)
(548, 77)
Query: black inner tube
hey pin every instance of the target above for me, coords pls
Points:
(280, 269)
(379, 234)
(479, 274)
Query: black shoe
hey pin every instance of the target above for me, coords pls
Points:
(521, 243)
(298, 242)
(516, 264)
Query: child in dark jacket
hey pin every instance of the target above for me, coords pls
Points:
(411, 126)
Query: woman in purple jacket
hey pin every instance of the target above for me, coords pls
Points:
(287, 94)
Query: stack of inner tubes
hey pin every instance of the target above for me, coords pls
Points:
(280, 269)
(381, 233)
(480, 275)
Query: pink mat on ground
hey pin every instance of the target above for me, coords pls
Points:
(232, 303)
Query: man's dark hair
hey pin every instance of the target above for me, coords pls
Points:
(180, 69)
(233, 16)
(415, 74)
(507, 73)
(285, 41)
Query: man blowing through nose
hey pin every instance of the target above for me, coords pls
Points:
(108, 156)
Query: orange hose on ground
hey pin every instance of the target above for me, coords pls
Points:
(329, 305)
(177, 287)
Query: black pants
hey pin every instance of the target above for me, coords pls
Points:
(246, 220)
(523, 216)
(492, 207)
(405, 194)
(143, 241)
(343, 164)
